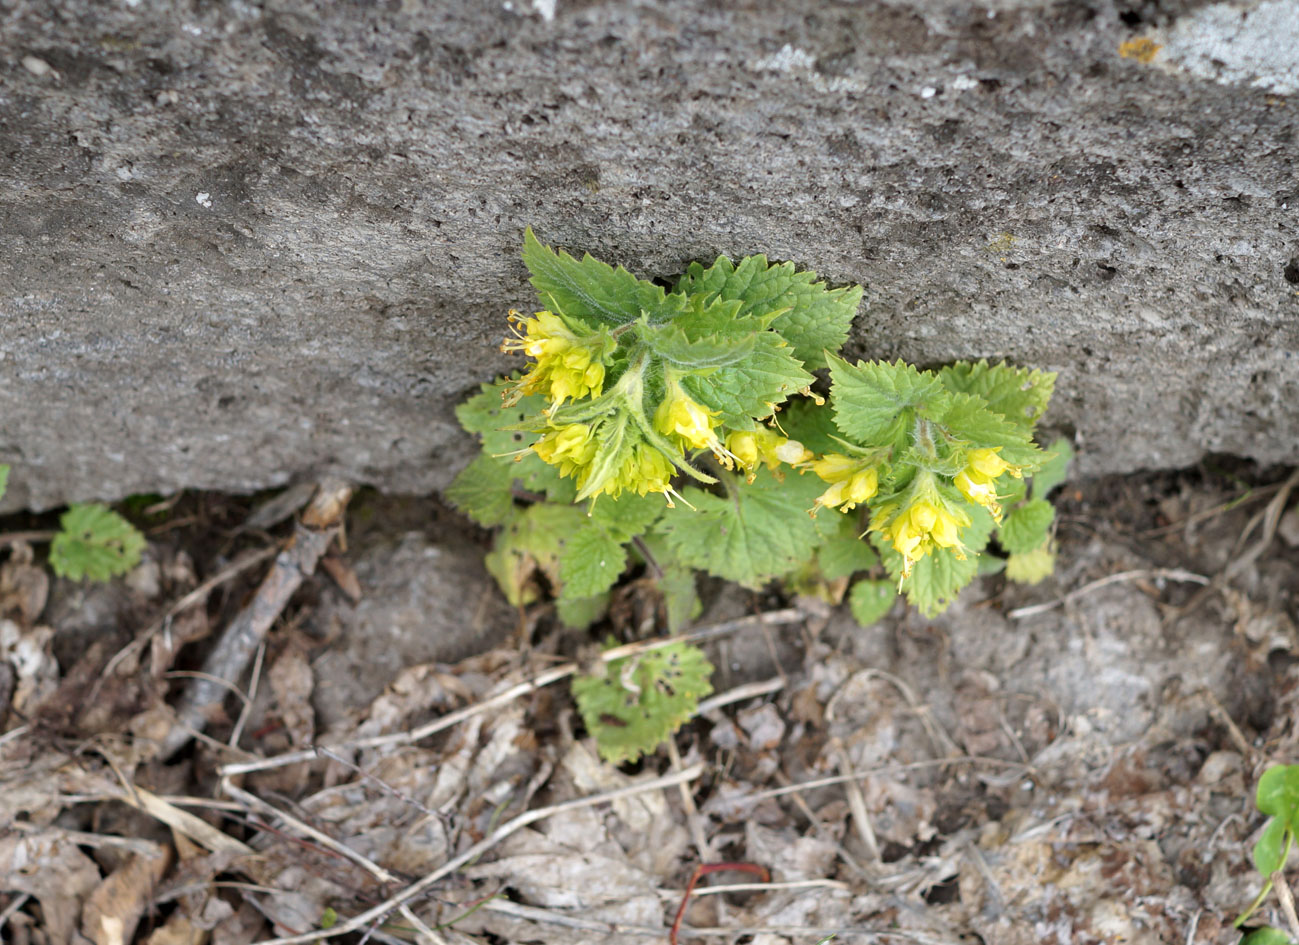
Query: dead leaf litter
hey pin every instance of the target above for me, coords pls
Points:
(1066, 764)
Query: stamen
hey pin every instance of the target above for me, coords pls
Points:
(669, 492)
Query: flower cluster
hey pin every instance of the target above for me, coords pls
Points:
(921, 526)
(853, 481)
(977, 481)
(690, 424)
(568, 367)
(748, 448)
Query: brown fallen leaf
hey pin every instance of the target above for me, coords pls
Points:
(115, 907)
(24, 587)
(47, 865)
(291, 681)
(343, 576)
(178, 931)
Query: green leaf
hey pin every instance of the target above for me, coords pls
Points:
(1026, 527)
(844, 553)
(1269, 851)
(746, 391)
(96, 543)
(875, 402)
(811, 425)
(969, 418)
(676, 583)
(676, 344)
(1054, 468)
(812, 318)
(1031, 567)
(578, 613)
(1266, 936)
(1020, 395)
(629, 515)
(485, 414)
(639, 701)
(532, 541)
(592, 290)
(938, 577)
(591, 561)
(871, 600)
(4, 479)
(757, 532)
(484, 491)
(1278, 792)
(680, 597)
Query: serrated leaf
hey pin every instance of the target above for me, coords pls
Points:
(1054, 469)
(485, 414)
(590, 563)
(1031, 567)
(484, 491)
(641, 700)
(531, 543)
(1020, 395)
(811, 425)
(844, 554)
(680, 597)
(968, 417)
(94, 542)
(629, 515)
(871, 600)
(812, 318)
(578, 613)
(675, 344)
(875, 402)
(757, 532)
(747, 390)
(935, 579)
(592, 290)
(675, 582)
(1026, 526)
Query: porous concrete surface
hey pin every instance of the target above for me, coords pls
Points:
(243, 243)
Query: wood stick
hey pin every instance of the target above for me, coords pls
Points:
(240, 640)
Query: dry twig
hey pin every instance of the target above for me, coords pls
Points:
(563, 671)
(239, 641)
(1166, 574)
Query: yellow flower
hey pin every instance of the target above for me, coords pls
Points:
(748, 448)
(853, 481)
(921, 527)
(644, 470)
(567, 368)
(988, 464)
(691, 423)
(977, 480)
(570, 447)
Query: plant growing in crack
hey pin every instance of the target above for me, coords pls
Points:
(677, 431)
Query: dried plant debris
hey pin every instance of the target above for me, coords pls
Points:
(1069, 763)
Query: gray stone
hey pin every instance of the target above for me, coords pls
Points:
(243, 243)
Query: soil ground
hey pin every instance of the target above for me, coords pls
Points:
(1067, 763)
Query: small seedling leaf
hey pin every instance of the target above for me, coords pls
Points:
(641, 700)
(871, 600)
(95, 543)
